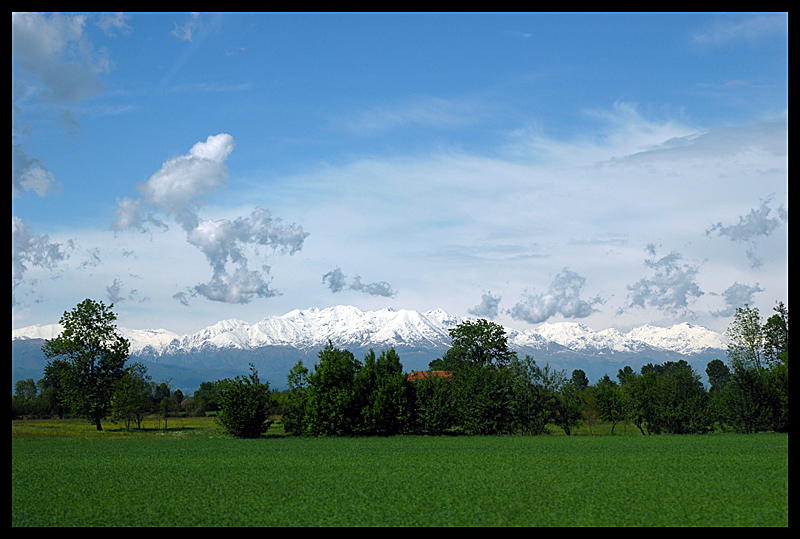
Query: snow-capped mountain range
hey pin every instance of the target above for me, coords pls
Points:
(348, 326)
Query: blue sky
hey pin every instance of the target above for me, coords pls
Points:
(609, 169)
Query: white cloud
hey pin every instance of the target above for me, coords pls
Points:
(110, 23)
(562, 298)
(672, 288)
(52, 60)
(181, 184)
(753, 225)
(179, 189)
(337, 281)
(736, 295)
(31, 249)
(185, 32)
(54, 49)
(722, 32)
(488, 307)
(28, 174)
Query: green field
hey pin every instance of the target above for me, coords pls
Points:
(64, 474)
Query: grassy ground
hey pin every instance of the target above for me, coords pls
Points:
(64, 473)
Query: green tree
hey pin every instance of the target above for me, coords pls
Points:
(579, 379)
(481, 343)
(244, 405)
(719, 375)
(568, 406)
(679, 400)
(485, 399)
(636, 390)
(294, 407)
(776, 335)
(206, 398)
(483, 385)
(623, 374)
(53, 387)
(546, 383)
(24, 399)
(433, 402)
(756, 398)
(609, 401)
(382, 388)
(748, 345)
(749, 405)
(776, 330)
(94, 358)
(331, 407)
(131, 397)
(533, 394)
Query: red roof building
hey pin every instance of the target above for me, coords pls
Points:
(413, 376)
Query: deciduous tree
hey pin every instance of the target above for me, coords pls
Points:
(244, 404)
(93, 355)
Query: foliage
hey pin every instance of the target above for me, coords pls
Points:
(533, 390)
(609, 401)
(480, 343)
(90, 357)
(330, 399)
(757, 396)
(295, 398)
(434, 409)
(206, 398)
(383, 395)
(668, 398)
(131, 398)
(244, 405)
(568, 406)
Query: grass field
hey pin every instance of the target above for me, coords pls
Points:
(63, 473)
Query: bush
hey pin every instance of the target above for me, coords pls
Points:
(244, 405)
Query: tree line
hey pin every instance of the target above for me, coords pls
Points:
(478, 387)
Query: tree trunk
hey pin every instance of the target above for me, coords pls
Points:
(97, 423)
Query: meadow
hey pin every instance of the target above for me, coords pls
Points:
(64, 473)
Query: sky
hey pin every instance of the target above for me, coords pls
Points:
(613, 170)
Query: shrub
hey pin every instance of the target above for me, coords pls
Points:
(244, 405)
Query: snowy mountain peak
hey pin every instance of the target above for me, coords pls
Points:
(346, 325)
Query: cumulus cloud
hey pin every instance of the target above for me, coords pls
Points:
(28, 173)
(671, 288)
(562, 298)
(30, 249)
(52, 60)
(116, 293)
(178, 190)
(337, 281)
(760, 222)
(130, 214)
(54, 50)
(223, 241)
(488, 307)
(735, 296)
(241, 286)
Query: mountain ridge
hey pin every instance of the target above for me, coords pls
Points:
(345, 325)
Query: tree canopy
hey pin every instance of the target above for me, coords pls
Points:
(88, 358)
